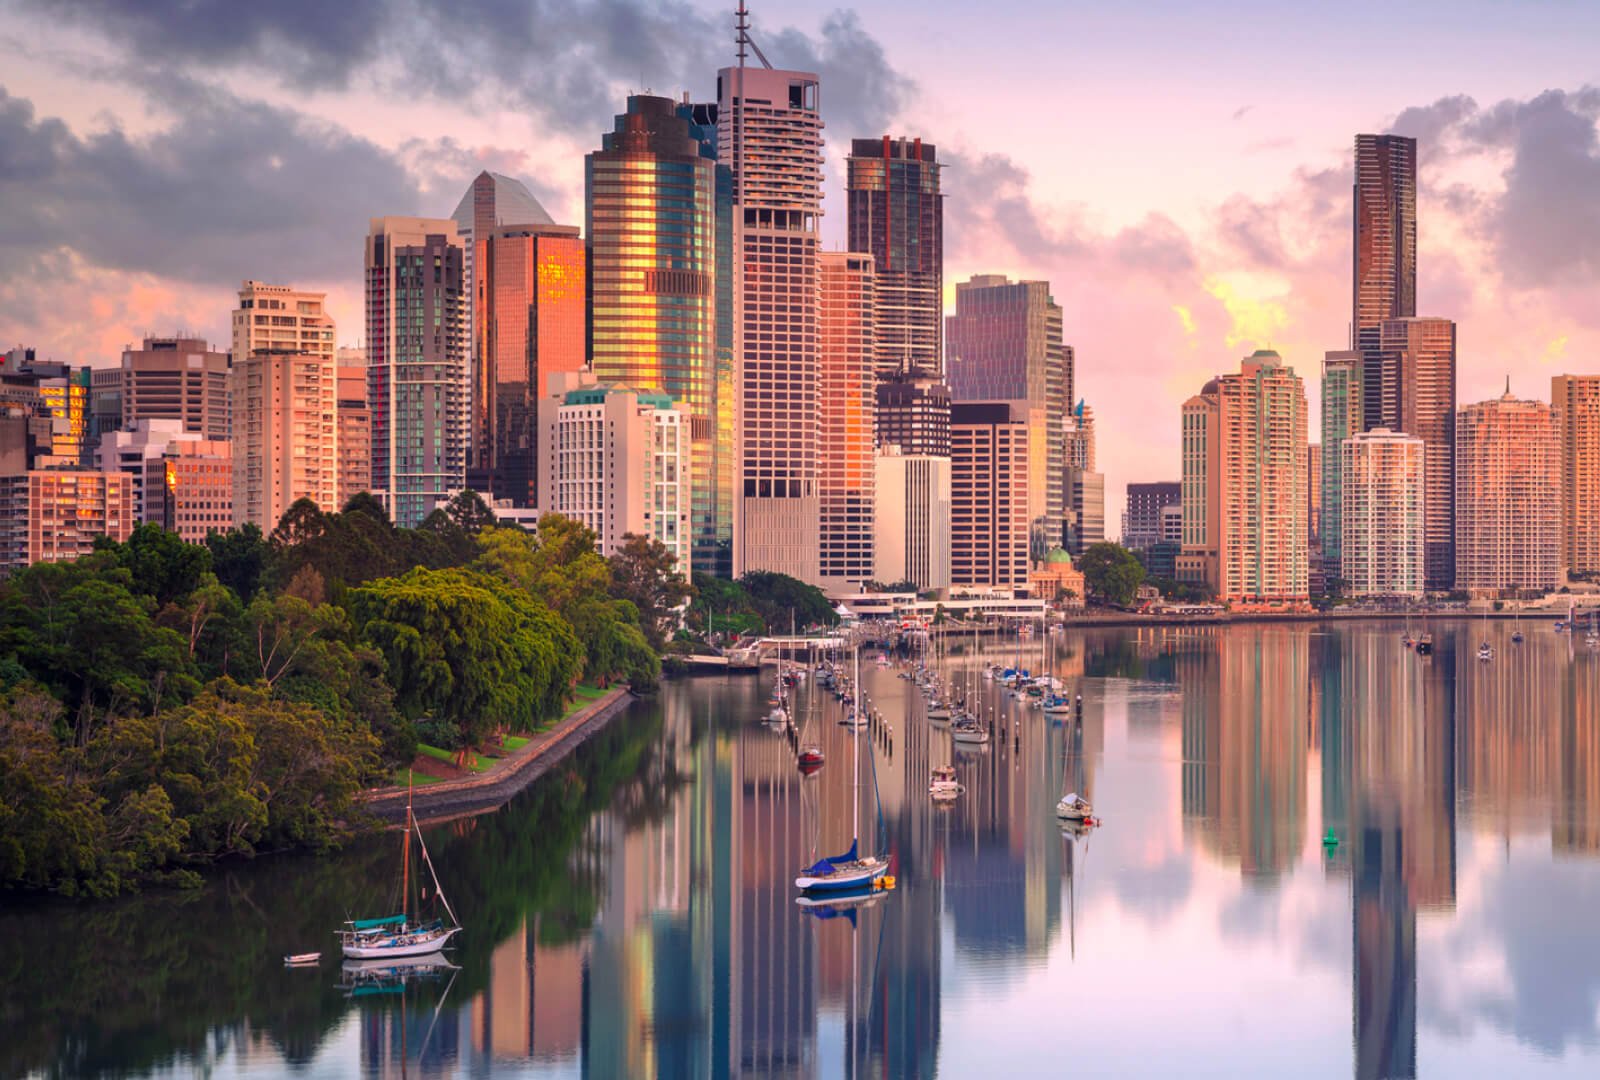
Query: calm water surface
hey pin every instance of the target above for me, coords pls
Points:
(632, 915)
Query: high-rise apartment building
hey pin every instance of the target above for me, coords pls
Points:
(1244, 486)
(355, 423)
(1314, 494)
(617, 460)
(1384, 270)
(1576, 402)
(652, 212)
(531, 311)
(277, 318)
(911, 493)
(1342, 417)
(848, 401)
(285, 435)
(55, 515)
(769, 134)
(1142, 520)
(175, 379)
(416, 363)
(914, 414)
(1383, 522)
(1508, 497)
(895, 212)
(1409, 385)
(1004, 344)
(989, 502)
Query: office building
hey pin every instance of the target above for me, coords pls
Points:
(1083, 488)
(55, 515)
(1244, 487)
(913, 413)
(285, 435)
(1576, 402)
(174, 378)
(895, 213)
(354, 419)
(1508, 498)
(1342, 417)
(24, 431)
(911, 495)
(1383, 521)
(188, 489)
(990, 522)
(1143, 520)
(1004, 344)
(652, 219)
(847, 403)
(277, 318)
(1384, 270)
(617, 460)
(59, 392)
(769, 134)
(416, 363)
(130, 450)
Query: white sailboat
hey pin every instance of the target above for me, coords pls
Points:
(851, 870)
(400, 935)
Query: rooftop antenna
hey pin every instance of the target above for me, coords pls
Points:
(743, 24)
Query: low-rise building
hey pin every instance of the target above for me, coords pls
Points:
(54, 515)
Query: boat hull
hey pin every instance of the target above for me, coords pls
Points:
(853, 878)
(419, 945)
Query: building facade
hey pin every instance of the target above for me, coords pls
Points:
(1383, 520)
(1508, 498)
(1576, 401)
(416, 363)
(189, 489)
(990, 521)
(1244, 486)
(175, 379)
(1142, 519)
(1342, 417)
(355, 423)
(1384, 270)
(911, 494)
(651, 206)
(55, 515)
(848, 402)
(277, 318)
(895, 213)
(285, 435)
(913, 413)
(130, 451)
(769, 134)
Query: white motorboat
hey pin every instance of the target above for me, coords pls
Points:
(402, 935)
(304, 959)
(1073, 807)
(944, 784)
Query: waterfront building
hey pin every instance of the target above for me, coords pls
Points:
(1384, 271)
(990, 458)
(285, 435)
(188, 489)
(1383, 519)
(277, 318)
(1244, 481)
(1508, 498)
(913, 413)
(354, 419)
(55, 515)
(651, 200)
(1576, 402)
(1144, 518)
(1004, 343)
(416, 363)
(911, 518)
(616, 459)
(1342, 417)
(769, 134)
(895, 212)
(848, 400)
(174, 378)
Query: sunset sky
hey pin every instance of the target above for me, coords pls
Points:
(1180, 173)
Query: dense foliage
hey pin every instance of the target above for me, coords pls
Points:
(164, 704)
(1111, 573)
(761, 600)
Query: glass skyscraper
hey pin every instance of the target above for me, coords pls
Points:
(1385, 267)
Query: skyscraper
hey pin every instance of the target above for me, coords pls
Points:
(281, 319)
(989, 504)
(530, 308)
(1004, 344)
(914, 414)
(285, 435)
(1141, 522)
(911, 539)
(416, 363)
(1342, 417)
(651, 207)
(896, 212)
(1384, 270)
(1576, 401)
(176, 379)
(1383, 546)
(1244, 486)
(1508, 497)
(848, 401)
(1083, 486)
(1414, 391)
(769, 133)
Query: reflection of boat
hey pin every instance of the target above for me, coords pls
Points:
(1425, 644)
(304, 959)
(944, 784)
(851, 869)
(1073, 807)
(398, 935)
(810, 758)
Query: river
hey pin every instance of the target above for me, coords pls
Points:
(632, 914)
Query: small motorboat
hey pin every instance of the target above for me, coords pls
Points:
(944, 785)
(302, 959)
(1074, 807)
(810, 758)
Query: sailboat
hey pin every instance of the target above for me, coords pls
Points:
(852, 869)
(401, 935)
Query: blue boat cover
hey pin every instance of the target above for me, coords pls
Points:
(373, 924)
(824, 867)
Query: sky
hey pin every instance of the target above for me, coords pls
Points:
(1179, 173)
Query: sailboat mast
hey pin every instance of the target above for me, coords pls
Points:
(405, 857)
(855, 736)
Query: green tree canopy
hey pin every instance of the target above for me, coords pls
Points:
(645, 573)
(773, 596)
(1111, 572)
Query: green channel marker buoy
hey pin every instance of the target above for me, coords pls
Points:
(1330, 840)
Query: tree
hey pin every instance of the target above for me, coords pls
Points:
(775, 596)
(644, 573)
(52, 834)
(239, 558)
(160, 564)
(1112, 573)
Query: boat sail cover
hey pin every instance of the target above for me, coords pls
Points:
(373, 924)
(824, 867)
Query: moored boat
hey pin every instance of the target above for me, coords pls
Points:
(1074, 807)
(401, 935)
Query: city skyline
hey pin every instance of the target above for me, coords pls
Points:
(1251, 251)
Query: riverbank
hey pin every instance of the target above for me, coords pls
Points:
(492, 788)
